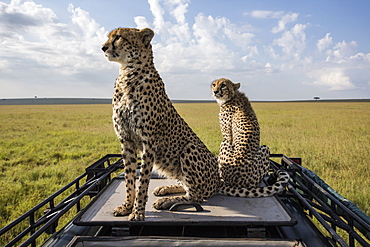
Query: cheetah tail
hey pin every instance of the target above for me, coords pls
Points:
(277, 187)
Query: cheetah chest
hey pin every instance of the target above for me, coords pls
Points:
(128, 120)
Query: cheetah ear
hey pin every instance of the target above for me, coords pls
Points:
(236, 86)
(148, 34)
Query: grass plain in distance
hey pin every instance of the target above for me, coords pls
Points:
(44, 147)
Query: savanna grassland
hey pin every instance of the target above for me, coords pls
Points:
(44, 147)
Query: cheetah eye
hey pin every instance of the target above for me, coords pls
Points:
(214, 84)
(116, 38)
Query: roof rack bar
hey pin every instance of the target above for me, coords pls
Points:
(353, 220)
(38, 206)
(334, 235)
(337, 202)
(55, 212)
(67, 207)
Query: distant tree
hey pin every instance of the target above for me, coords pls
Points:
(316, 97)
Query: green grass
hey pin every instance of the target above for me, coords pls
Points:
(332, 139)
(44, 147)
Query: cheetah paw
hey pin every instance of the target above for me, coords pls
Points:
(136, 216)
(163, 203)
(121, 210)
(160, 191)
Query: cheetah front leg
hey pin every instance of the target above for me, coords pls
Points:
(226, 148)
(138, 211)
(129, 158)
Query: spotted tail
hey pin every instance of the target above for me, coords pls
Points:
(277, 187)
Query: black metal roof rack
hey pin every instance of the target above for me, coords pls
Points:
(324, 204)
(317, 208)
(89, 183)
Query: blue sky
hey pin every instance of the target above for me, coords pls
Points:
(277, 50)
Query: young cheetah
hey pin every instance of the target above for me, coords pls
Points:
(242, 161)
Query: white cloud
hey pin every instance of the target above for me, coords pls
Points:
(141, 22)
(253, 51)
(292, 42)
(325, 42)
(344, 69)
(158, 13)
(169, 32)
(178, 9)
(268, 67)
(197, 54)
(360, 57)
(27, 13)
(41, 52)
(341, 51)
(18, 19)
(264, 14)
(334, 78)
(205, 51)
(217, 30)
(270, 51)
(287, 18)
(68, 47)
(208, 45)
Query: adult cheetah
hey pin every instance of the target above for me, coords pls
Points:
(146, 122)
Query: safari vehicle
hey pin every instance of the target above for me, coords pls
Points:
(308, 213)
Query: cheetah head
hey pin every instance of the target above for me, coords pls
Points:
(224, 90)
(127, 45)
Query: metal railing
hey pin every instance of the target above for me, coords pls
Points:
(324, 204)
(88, 184)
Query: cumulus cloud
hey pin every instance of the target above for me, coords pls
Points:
(215, 46)
(341, 51)
(48, 42)
(325, 42)
(210, 29)
(207, 45)
(361, 57)
(334, 78)
(23, 15)
(39, 50)
(286, 19)
(343, 69)
(211, 47)
(168, 31)
(292, 42)
(178, 9)
(141, 22)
